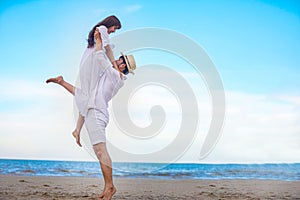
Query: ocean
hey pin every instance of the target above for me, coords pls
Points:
(286, 172)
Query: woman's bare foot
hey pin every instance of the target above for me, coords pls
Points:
(57, 80)
(76, 135)
(108, 193)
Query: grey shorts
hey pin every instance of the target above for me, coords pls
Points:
(95, 126)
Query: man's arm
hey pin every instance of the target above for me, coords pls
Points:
(98, 40)
(110, 56)
(100, 58)
(100, 55)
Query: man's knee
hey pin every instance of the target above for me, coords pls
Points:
(100, 150)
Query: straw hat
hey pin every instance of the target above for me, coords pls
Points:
(130, 62)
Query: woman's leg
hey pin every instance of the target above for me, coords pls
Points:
(60, 81)
(76, 132)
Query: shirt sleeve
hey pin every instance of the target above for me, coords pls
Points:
(104, 35)
(101, 61)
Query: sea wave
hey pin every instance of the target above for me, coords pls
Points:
(286, 172)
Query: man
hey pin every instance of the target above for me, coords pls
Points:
(99, 83)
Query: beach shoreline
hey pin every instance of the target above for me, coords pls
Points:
(47, 187)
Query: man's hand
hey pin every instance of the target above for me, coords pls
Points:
(98, 40)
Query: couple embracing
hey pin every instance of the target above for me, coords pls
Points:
(101, 76)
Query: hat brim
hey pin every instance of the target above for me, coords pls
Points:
(127, 63)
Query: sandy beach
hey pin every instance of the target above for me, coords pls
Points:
(40, 187)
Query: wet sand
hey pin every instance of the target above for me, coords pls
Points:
(40, 187)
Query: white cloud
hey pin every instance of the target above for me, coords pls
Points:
(132, 8)
(16, 89)
(258, 128)
(39, 130)
(99, 11)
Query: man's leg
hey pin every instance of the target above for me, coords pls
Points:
(60, 80)
(106, 168)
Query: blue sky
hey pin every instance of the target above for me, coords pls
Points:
(255, 46)
(257, 40)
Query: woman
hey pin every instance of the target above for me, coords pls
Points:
(106, 27)
(99, 83)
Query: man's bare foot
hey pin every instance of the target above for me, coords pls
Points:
(108, 193)
(57, 80)
(76, 135)
(102, 194)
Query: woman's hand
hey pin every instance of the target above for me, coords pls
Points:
(97, 36)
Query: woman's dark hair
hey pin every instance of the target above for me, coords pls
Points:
(107, 22)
